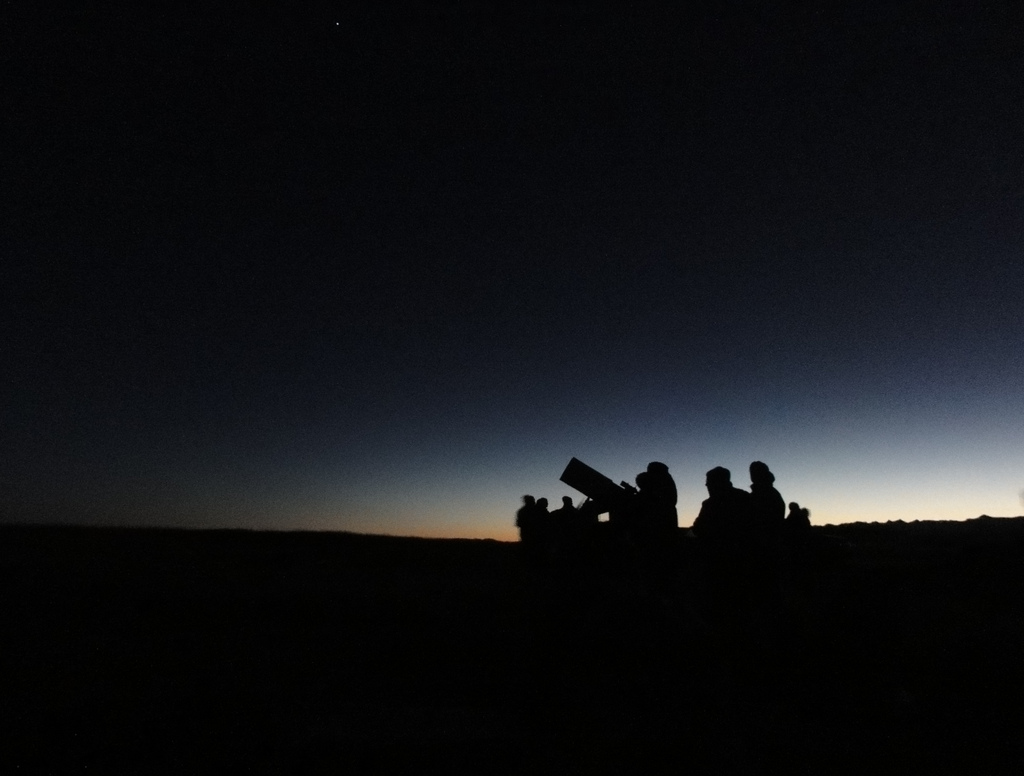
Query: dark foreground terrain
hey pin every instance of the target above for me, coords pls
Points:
(896, 646)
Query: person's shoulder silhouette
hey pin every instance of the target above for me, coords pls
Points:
(567, 508)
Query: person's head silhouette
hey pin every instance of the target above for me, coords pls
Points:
(718, 480)
(760, 474)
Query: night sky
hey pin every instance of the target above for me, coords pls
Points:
(387, 270)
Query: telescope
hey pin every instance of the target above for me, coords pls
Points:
(595, 486)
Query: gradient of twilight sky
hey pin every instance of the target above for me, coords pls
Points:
(388, 270)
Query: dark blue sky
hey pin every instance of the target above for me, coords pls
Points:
(388, 270)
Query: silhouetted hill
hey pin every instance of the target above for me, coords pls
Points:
(879, 646)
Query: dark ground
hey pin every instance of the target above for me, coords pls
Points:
(893, 646)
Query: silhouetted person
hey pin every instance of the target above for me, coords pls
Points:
(731, 550)
(526, 519)
(798, 524)
(545, 529)
(566, 512)
(661, 494)
(768, 505)
(564, 524)
(726, 516)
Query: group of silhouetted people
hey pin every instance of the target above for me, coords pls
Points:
(730, 519)
(543, 532)
(640, 515)
(744, 539)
